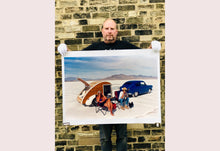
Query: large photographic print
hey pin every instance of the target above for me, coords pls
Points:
(87, 75)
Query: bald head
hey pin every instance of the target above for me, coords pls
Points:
(109, 20)
(109, 31)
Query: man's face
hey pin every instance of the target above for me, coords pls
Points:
(109, 31)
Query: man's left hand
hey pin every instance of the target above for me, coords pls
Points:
(155, 45)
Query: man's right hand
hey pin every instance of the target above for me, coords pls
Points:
(62, 48)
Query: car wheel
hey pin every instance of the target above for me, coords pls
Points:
(135, 94)
(150, 90)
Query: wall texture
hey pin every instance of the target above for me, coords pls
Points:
(78, 24)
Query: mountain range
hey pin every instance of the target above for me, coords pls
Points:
(113, 77)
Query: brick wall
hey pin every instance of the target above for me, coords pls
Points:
(78, 24)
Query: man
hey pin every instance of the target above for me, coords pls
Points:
(123, 99)
(110, 42)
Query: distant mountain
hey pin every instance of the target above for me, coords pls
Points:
(113, 77)
(70, 79)
(123, 77)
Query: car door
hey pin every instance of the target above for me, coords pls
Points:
(143, 87)
(137, 87)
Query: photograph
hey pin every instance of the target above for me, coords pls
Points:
(104, 87)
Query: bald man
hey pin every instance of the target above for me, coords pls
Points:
(110, 42)
(109, 33)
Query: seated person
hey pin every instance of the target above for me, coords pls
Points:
(100, 98)
(123, 98)
(109, 104)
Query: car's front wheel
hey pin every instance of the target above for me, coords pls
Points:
(150, 90)
(135, 94)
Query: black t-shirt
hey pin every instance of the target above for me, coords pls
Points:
(112, 46)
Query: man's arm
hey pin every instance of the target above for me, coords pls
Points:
(90, 47)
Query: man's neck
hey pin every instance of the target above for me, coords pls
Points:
(107, 42)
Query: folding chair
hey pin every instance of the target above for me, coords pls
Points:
(103, 109)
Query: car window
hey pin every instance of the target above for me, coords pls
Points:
(143, 83)
(138, 84)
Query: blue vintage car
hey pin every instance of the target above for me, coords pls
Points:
(136, 87)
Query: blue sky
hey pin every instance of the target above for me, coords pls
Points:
(101, 67)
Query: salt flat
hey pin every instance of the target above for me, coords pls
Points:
(146, 107)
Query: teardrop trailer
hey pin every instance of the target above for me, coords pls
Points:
(92, 89)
